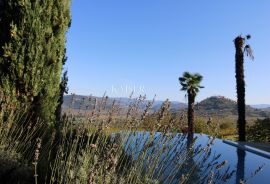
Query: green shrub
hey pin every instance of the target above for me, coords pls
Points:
(226, 125)
(260, 131)
(202, 125)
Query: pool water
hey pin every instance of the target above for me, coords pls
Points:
(174, 158)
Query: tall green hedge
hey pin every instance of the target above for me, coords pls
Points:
(32, 48)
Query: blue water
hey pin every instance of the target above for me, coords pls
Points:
(171, 154)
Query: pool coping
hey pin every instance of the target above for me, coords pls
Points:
(248, 148)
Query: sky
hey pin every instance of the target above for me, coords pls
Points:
(120, 46)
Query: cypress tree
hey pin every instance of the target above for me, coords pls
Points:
(32, 49)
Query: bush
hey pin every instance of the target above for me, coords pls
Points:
(226, 126)
(260, 131)
(13, 170)
(207, 127)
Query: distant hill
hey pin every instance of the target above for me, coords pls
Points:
(217, 106)
(261, 106)
(87, 102)
(266, 109)
(174, 105)
(212, 106)
(222, 106)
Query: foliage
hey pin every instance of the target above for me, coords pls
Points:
(260, 131)
(13, 170)
(16, 147)
(203, 126)
(62, 90)
(221, 128)
(32, 44)
(225, 126)
(191, 83)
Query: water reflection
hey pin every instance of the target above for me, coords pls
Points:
(177, 158)
(240, 171)
(191, 171)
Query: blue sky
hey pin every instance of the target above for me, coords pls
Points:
(116, 45)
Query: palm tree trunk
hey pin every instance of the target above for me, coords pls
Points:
(240, 169)
(191, 99)
(240, 86)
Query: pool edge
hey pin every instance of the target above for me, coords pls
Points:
(248, 148)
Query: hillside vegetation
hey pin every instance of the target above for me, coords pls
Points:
(221, 106)
(215, 106)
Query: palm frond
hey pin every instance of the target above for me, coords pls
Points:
(184, 85)
(183, 89)
(199, 77)
(187, 75)
(182, 79)
(191, 82)
(248, 50)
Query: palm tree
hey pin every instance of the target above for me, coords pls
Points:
(241, 48)
(191, 84)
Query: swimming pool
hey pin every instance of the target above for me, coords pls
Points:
(171, 158)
